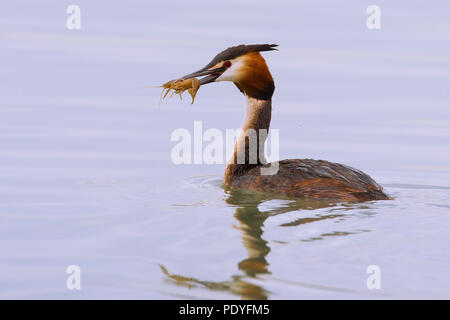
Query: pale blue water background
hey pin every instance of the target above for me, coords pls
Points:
(85, 169)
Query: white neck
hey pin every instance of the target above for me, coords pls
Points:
(256, 124)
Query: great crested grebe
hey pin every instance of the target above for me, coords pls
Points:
(298, 178)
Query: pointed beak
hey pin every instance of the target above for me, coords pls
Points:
(209, 75)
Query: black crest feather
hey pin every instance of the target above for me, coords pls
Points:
(236, 51)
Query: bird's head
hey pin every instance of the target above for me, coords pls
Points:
(244, 66)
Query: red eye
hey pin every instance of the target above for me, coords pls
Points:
(227, 64)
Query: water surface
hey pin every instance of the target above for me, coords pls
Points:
(85, 169)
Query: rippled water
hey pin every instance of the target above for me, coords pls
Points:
(87, 180)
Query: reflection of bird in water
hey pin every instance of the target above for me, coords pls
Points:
(251, 221)
(300, 178)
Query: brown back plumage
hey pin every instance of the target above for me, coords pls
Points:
(313, 179)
